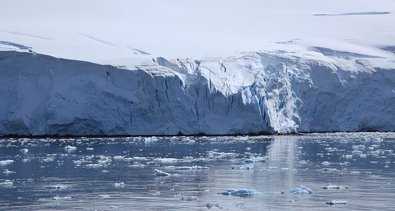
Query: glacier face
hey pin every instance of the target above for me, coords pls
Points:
(258, 92)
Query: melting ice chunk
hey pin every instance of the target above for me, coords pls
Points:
(70, 149)
(188, 198)
(7, 184)
(243, 167)
(189, 168)
(240, 192)
(337, 202)
(221, 155)
(24, 151)
(301, 190)
(255, 160)
(334, 187)
(6, 162)
(7, 172)
(359, 147)
(160, 173)
(165, 160)
(119, 184)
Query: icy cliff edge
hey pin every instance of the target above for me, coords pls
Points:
(267, 92)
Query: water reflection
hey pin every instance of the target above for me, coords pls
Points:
(119, 174)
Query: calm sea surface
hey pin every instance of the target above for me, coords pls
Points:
(357, 170)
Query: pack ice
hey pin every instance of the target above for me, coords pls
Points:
(301, 71)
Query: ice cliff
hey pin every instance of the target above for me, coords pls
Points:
(257, 92)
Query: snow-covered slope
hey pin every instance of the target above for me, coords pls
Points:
(166, 67)
(108, 32)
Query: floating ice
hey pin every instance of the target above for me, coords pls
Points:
(334, 187)
(141, 159)
(301, 190)
(255, 160)
(156, 193)
(89, 149)
(348, 156)
(94, 165)
(118, 157)
(70, 149)
(6, 171)
(326, 163)
(337, 202)
(221, 155)
(160, 173)
(104, 196)
(57, 187)
(331, 170)
(180, 168)
(150, 140)
(62, 198)
(359, 147)
(104, 160)
(363, 155)
(6, 162)
(7, 184)
(189, 198)
(137, 165)
(123, 158)
(243, 167)
(165, 160)
(49, 158)
(119, 184)
(240, 192)
(26, 160)
(24, 151)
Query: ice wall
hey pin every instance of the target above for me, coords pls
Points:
(270, 92)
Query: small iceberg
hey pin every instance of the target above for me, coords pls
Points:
(240, 192)
(190, 168)
(57, 187)
(256, 160)
(119, 184)
(221, 155)
(7, 172)
(56, 198)
(188, 198)
(160, 173)
(359, 147)
(7, 184)
(24, 151)
(337, 202)
(165, 160)
(243, 167)
(301, 190)
(70, 149)
(334, 187)
(6, 162)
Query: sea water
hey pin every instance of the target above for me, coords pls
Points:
(354, 171)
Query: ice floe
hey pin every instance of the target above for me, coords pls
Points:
(240, 192)
(119, 184)
(7, 184)
(160, 173)
(334, 187)
(243, 167)
(337, 202)
(6, 162)
(70, 149)
(301, 189)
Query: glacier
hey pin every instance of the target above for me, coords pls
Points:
(251, 93)
(131, 67)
